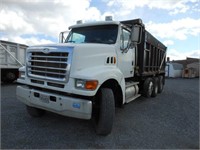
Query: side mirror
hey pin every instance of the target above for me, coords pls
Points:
(136, 34)
(62, 36)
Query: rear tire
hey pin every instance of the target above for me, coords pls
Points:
(11, 76)
(8, 76)
(155, 87)
(148, 87)
(160, 84)
(35, 112)
(104, 111)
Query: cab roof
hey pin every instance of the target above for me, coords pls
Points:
(95, 24)
(128, 23)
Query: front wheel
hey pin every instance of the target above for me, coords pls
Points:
(104, 111)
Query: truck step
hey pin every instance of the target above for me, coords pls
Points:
(132, 91)
(132, 98)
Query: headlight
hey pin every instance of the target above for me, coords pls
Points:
(86, 84)
(80, 84)
(22, 72)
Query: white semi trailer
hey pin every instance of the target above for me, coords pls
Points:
(12, 57)
(99, 66)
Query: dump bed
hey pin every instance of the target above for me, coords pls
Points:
(12, 55)
(150, 54)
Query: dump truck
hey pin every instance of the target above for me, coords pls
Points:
(97, 67)
(12, 57)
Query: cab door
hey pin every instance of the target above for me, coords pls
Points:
(126, 54)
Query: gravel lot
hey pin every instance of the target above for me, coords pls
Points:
(171, 120)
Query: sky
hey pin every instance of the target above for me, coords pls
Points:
(176, 23)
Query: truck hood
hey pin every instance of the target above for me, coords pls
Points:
(87, 56)
(83, 56)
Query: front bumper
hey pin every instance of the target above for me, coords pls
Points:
(63, 105)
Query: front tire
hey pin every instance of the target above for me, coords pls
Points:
(104, 111)
(35, 112)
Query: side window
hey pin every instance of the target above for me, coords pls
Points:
(125, 38)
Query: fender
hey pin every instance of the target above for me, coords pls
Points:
(102, 74)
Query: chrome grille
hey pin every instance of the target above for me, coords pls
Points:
(51, 66)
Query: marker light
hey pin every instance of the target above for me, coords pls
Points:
(86, 84)
(108, 18)
(91, 85)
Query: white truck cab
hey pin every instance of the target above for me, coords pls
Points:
(98, 67)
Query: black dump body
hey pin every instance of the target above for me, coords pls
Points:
(151, 53)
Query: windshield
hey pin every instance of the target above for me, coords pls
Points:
(106, 34)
